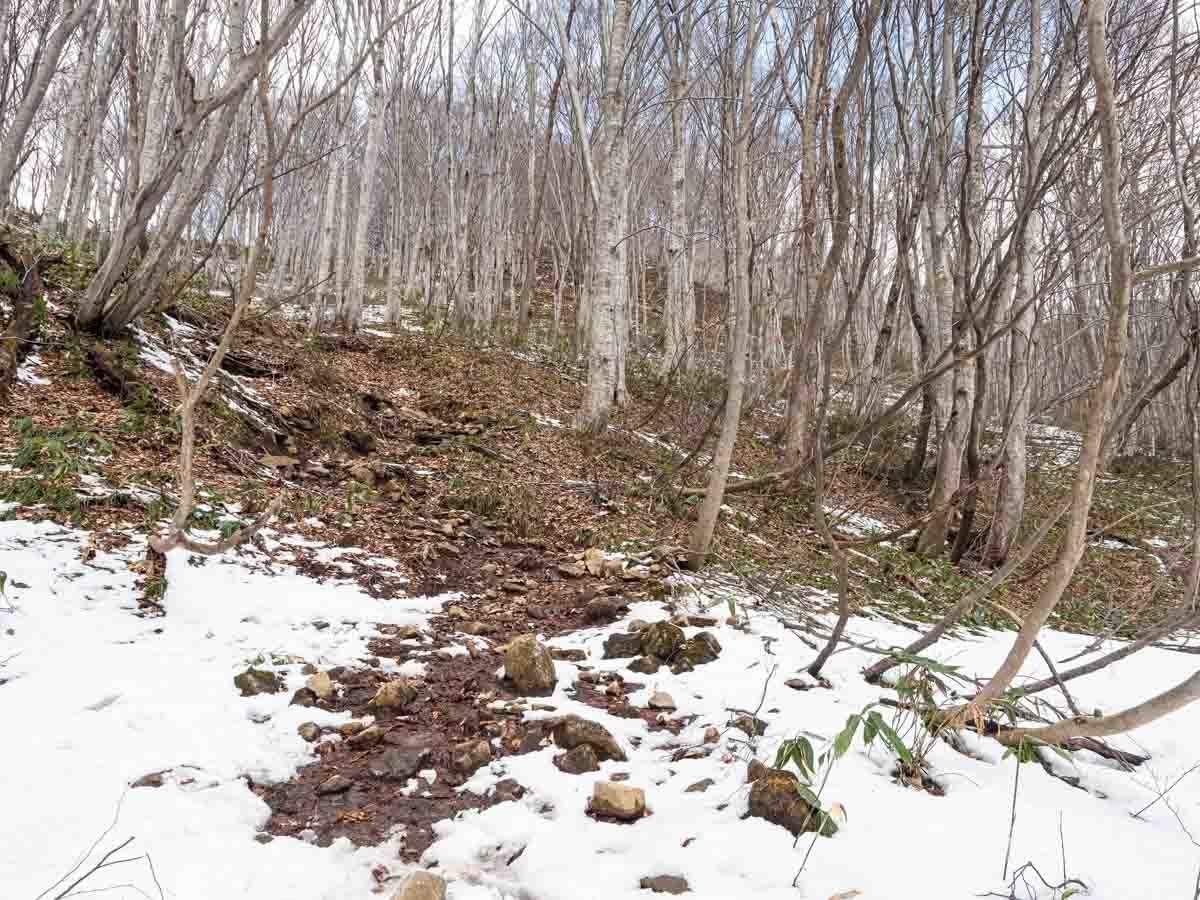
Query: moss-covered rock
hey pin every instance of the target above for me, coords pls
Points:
(775, 796)
(529, 666)
(662, 639)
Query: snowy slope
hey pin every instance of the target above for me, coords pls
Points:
(99, 698)
(95, 697)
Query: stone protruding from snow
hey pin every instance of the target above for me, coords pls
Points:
(421, 886)
(751, 726)
(703, 648)
(257, 681)
(320, 684)
(776, 797)
(644, 665)
(603, 609)
(617, 801)
(579, 760)
(662, 639)
(620, 646)
(665, 884)
(661, 700)
(310, 731)
(529, 666)
(395, 694)
(470, 755)
(572, 731)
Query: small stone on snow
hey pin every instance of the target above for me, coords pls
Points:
(421, 886)
(578, 760)
(257, 681)
(665, 884)
(661, 700)
(320, 684)
(618, 801)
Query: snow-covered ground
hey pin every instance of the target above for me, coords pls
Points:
(95, 697)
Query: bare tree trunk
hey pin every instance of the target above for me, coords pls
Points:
(1116, 337)
(741, 123)
(351, 312)
(600, 395)
(74, 12)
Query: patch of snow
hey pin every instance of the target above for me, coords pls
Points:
(27, 373)
(133, 696)
(703, 836)
(854, 523)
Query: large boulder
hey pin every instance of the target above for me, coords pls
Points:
(571, 731)
(421, 886)
(662, 639)
(776, 797)
(529, 666)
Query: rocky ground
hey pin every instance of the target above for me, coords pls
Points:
(464, 659)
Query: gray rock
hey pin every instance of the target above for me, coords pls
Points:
(421, 886)
(578, 760)
(399, 763)
(304, 697)
(645, 665)
(699, 787)
(257, 681)
(571, 731)
(620, 646)
(529, 666)
(703, 648)
(395, 694)
(572, 655)
(603, 609)
(665, 884)
(310, 731)
(470, 755)
(661, 700)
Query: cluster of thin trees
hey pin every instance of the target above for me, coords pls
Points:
(973, 214)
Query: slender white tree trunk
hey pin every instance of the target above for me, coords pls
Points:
(351, 315)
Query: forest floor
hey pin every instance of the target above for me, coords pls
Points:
(436, 505)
